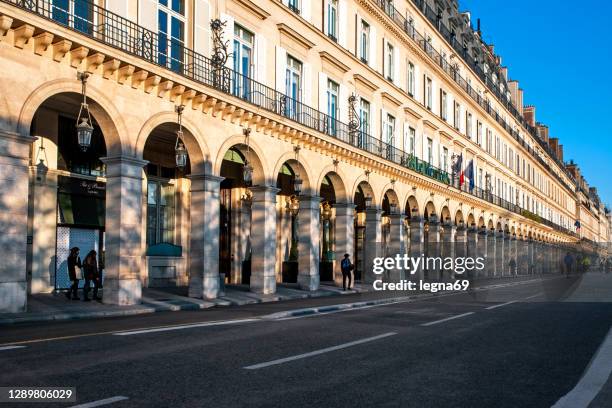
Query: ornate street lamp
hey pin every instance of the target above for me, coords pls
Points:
(392, 208)
(247, 169)
(84, 124)
(180, 153)
(41, 168)
(368, 200)
(297, 180)
(294, 205)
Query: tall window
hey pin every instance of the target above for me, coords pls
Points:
(332, 105)
(364, 41)
(479, 133)
(390, 130)
(160, 212)
(468, 125)
(74, 13)
(332, 19)
(457, 116)
(294, 5)
(429, 151)
(171, 25)
(428, 93)
(410, 143)
(443, 105)
(293, 82)
(445, 159)
(364, 115)
(243, 60)
(389, 52)
(411, 77)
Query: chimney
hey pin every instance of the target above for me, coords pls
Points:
(553, 142)
(504, 72)
(573, 169)
(529, 115)
(513, 87)
(560, 152)
(542, 131)
(520, 101)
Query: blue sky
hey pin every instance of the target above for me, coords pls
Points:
(561, 54)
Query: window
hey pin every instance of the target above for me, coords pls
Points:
(171, 25)
(429, 151)
(410, 145)
(479, 133)
(293, 84)
(74, 13)
(457, 116)
(243, 61)
(468, 125)
(390, 130)
(445, 159)
(443, 105)
(332, 19)
(364, 115)
(364, 41)
(332, 105)
(480, 178)
(489, 141)
(294, 5)
(411, 79)
(428, 93)
(160, 212)
(389, 62)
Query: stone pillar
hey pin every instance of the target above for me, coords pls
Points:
(530, 256)
(263, 239)
(481, 251)
(499, 253)
(491, 264)
(124, 218)
(523, 257)
(43, 224)
(513, 255)
(14, 157)
(472, 243)
(507, 255)
(395, 244)
(204, 236)
(461, 248)
(448, 246)
(309, 223)
(434, 271)
(344, 231)
(416, 247)
(372, 242)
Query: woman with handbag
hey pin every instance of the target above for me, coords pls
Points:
(90, 267)
(74, 269)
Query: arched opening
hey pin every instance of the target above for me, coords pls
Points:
(68, 207)
(471, 221)
(445, 215)
(240, 169)
(389, 206)
(363, 199)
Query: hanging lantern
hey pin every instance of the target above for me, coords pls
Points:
(393, 208)
(326, 211)
(368, 200)
(297, 184)
(84, 124)
(294, 205)
(180, 153)
(247, 173)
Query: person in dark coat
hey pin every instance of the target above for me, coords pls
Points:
(73, 262)
(346, 267)
(90, 270)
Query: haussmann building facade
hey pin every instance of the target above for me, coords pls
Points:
(197, 143)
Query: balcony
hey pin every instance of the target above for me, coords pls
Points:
(113, 30)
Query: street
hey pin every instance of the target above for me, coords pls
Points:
(524, 344)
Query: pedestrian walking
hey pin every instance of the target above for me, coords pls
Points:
(568, 260)
(90, 269)
(74, 272)
(346, 266)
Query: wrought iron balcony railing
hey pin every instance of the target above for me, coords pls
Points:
(121, 33)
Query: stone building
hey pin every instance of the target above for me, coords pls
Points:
(310, 129)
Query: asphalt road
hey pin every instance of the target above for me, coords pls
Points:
(513, 346)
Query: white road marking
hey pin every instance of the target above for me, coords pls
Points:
(318, 352)
(592, 380)
(447, 319)
(10, 347)
(501, 305)
(531, 297)
(101, 402)
(184, 326)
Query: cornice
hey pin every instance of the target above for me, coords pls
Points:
(290, 33)
(330, 61)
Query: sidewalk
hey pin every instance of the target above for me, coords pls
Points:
(592, 286)
(55, 306)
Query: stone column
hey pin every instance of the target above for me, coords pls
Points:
(395, 244)
(499, 253)
(472, 243)
(14, 157)
(491, 264)
(507, 255)
(344, 232)
(461, 247)
(123, 225)
(522, 257)
(433, 249)
(514, 255)
(263, 239)
(373, 242)
(416, 247)
(204, 236)
(481, 250)
(448, 246)
(309, 223)
(530, 256)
